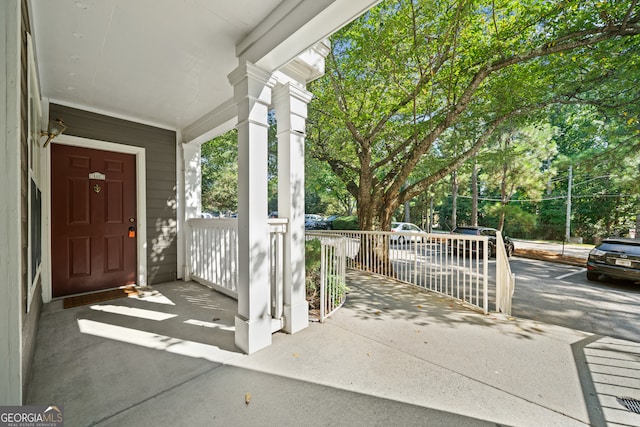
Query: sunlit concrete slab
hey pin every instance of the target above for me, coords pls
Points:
(393, 355)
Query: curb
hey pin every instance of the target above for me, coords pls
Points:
(555, 261)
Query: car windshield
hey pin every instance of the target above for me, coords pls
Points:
(620, 247)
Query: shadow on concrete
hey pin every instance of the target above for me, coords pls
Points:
(609, 370)
(167, 357)
(376, 298)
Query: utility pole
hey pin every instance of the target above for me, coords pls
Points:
(567, 233)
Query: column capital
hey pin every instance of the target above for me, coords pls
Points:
(282, 91)
(252, 87)
(247, 69)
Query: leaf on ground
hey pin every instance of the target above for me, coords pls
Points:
(247, 398)
(377, 312)
(369, 354)
(419, 306)
(296, 355)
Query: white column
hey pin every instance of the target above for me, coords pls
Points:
(252, 95)
(190, 198)
(290, 104)
(10, 182)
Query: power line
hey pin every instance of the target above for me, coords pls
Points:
(491, 199)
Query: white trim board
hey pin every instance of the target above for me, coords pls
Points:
(111, 114)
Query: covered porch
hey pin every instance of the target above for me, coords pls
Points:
(393, 355)
(152, 81)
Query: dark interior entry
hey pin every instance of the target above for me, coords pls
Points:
(93, 219)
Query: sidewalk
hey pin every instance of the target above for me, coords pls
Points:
(553, 252)
(393, 355)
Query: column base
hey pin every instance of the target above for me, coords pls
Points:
(296, 317)
(253, 335)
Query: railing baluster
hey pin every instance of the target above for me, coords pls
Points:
(446, 264)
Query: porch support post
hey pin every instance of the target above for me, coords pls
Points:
(252, 95)
(192, 175)
(290, 104)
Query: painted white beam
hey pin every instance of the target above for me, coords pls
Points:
(217, 122)
(294, 26)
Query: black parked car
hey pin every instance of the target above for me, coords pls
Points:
(617, 258)
(485, 231)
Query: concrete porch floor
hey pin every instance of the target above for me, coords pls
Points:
(393, 355)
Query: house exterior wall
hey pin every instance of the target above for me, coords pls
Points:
(160, 148)
(30, 315)
(11, 374)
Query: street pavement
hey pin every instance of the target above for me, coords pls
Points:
(561, 294)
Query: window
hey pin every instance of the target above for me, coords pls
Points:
(34, 217)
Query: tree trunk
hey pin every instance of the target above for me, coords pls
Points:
(503, 185)
(638, 221)
(407, 214)
(474, 191)
(429, 207)
(374, 214)
(454, 200)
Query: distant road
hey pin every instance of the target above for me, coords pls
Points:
(578, 251)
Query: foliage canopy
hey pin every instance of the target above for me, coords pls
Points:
(415, 88)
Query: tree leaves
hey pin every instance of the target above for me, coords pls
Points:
(415, 88)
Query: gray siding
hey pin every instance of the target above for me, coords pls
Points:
(30, 320)
(160, 148)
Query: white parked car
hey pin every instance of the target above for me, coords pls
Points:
(404, 232)
(312, 221)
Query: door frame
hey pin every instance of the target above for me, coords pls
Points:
(141, 208)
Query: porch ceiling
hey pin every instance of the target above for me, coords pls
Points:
(166, 62)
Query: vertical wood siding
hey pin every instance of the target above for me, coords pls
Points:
(30, 320)
(160, 147)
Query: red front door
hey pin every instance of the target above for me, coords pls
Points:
(93, 218)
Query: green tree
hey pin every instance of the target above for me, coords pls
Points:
(324, 192)
(219, 162)
(404, 76)
(517, 165)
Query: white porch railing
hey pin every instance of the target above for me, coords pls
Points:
(213, 256)
(450, 264)
(213, 253)
(505, 279)
(333, 272)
